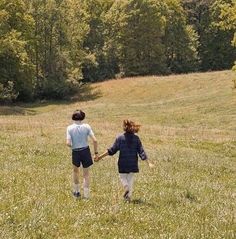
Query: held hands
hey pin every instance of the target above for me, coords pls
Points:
(96, 158)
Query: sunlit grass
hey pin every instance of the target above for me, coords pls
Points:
(188, 130)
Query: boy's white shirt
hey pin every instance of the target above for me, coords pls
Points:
(77, 133)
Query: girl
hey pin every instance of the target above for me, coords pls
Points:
(130, 147)
(77, 139)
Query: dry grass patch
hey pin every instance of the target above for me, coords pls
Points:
(188, 130)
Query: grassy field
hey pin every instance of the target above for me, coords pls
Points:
(188, 130)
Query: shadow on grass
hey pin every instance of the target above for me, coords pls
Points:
(140, 201)
(87, 92)
(15, 110)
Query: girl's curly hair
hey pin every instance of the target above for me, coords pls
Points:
(130, 127)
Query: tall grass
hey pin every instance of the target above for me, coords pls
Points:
(188, 130)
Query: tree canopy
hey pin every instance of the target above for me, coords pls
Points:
(49, 47)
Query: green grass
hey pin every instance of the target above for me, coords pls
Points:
(188, 130)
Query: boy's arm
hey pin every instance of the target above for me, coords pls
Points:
(95, 147)
(68, 142)
(95, 142)
(68, 138)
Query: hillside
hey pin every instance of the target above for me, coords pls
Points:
(188, 130)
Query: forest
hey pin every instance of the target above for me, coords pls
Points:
(49, 48)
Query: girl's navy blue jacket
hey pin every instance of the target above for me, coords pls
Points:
(130, 147)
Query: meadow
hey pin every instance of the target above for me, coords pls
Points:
(188, 131)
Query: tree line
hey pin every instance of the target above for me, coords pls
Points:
(49, 47)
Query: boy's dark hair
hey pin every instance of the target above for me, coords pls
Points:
(130, 127)
(78, 115)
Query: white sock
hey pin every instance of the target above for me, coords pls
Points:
(86, 192)
(76, 187)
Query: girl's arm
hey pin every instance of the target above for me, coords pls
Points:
(143, 154)
(111, 151)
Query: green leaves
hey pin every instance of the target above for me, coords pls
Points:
(48, 47)
(16, 69)
(7, 92)
(181, 40)
(137, 27)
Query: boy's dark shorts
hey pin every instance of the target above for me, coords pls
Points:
(82, 156)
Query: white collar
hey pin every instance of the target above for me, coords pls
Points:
(77, 122)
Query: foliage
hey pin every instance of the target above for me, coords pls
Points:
(136, 28)
(15, 64)
(98, 64)
(48, 48)
(60, 29)
(7, 93)
(227, 21)
(181, 40)
(215, 43)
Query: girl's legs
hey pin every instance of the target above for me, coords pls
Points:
(123, 179)
(86, 182)
(130, 180)
(127, 182)
(75, 176)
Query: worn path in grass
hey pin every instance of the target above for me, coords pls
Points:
(188, 130)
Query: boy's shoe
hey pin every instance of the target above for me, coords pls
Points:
(76, 194)
(126, 196)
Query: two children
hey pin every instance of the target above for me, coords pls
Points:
(128, 144)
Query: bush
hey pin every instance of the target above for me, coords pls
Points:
(7, 93)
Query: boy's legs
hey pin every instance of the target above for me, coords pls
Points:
(75, 176)
(87, 161)
(86, 182)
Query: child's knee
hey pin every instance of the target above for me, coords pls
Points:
(75, 169)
